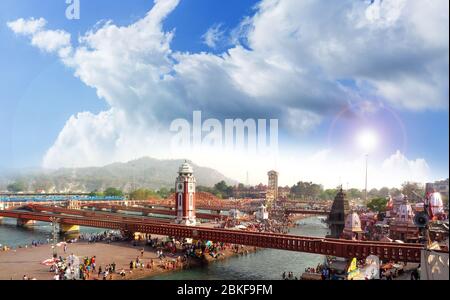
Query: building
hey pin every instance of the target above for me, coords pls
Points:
(185, 195)
(402, 226)
(262, 213)
(339, 210)
(352, 229)
(272, 187)
(441, 187)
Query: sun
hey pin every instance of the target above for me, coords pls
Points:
(367, 139)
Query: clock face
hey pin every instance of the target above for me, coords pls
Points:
(180, 187)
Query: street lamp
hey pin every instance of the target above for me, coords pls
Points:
(367, 140)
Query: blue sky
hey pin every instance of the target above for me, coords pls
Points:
(39, 92)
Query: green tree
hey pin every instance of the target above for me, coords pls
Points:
(383, 192)
(143, 194)
(95, 194)
(16, 187)
(328, 194)
(113, 192)
(354, 194)
(378, 204)
(413, 190)
(163, 193)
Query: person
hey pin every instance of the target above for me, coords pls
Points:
(93, 263)
(284, 275)
(99, 271)
(142, 253)
(415, 275)
(25, 277)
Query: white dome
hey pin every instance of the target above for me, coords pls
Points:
(353, 223)
(186, 168)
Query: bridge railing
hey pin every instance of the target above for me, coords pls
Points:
(7, 199)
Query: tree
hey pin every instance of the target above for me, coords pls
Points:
(143, 194)
(413, 190)
(113, 192)
(383, 192)
(328, 194)
(378, 204)
(95, 194)
(373, 193)
(16, 187)
(163, 193)
(354, 194)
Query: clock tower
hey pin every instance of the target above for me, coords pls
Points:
(185, 195)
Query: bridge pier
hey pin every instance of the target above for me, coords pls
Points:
(66, 228)
(25, 222)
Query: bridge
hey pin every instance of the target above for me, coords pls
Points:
(146, 211)
(306, 211)
(324, 246)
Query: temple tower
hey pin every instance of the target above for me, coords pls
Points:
(185, 195)
(272, 187)
(339, 210)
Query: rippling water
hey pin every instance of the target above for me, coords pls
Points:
(265, 264)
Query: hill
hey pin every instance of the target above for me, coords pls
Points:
(141, 173)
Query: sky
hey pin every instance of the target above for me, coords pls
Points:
(106, 87)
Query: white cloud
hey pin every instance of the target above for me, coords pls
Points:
(213, 36)
(52, 41)
(295, 54)
(332, 169)
(398, 167)
(28, 27)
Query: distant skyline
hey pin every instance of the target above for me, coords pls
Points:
(105, 88)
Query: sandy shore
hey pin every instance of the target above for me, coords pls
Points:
(27, 261)
(14, 264)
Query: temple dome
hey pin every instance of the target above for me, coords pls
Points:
(186, 168)
(352, 223)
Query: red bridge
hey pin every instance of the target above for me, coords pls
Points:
(146, 211)
(324, 246)
(307, 212)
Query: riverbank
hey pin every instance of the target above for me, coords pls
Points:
(14, 264)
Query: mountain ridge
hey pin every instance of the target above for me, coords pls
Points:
(145, 172)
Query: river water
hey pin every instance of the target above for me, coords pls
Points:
(265, 264)
(14, 236)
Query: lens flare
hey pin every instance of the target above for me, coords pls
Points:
(367, 139)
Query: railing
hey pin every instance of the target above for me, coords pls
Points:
(334, 247)
(26, 199)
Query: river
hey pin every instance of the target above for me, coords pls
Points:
(265, 264)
